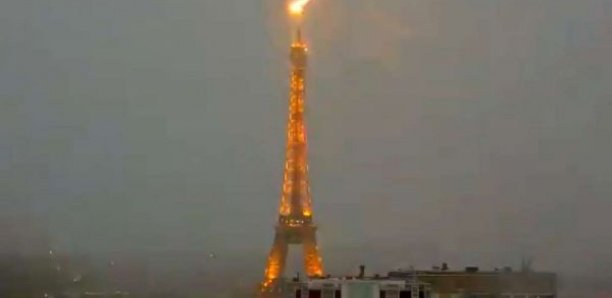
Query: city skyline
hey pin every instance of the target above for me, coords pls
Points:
(474, 129)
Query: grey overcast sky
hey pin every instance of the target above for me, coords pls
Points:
(476, 128)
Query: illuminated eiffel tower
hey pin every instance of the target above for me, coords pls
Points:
(295, 225)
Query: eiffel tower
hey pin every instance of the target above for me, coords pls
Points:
(295, 225)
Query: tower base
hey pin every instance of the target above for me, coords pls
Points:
(293, 235)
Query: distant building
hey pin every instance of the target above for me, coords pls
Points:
(440, 283)
(354, 288)
(484, 284)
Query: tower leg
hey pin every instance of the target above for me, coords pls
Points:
(312, 257)
(276, 260)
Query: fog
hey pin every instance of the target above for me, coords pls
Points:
(468, 131)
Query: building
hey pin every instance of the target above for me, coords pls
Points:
(439, 283)
(355, 288)
(472, 282)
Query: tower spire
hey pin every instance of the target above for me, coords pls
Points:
(298, 35)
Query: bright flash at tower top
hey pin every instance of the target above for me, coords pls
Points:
(296, 7)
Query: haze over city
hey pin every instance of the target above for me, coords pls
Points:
(459, 131)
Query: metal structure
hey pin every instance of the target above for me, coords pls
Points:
(295, 225)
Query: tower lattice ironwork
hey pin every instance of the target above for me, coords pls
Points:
(295, 225)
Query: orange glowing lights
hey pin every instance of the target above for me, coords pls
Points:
(296, 7)
(295, 224)
(295, 197)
